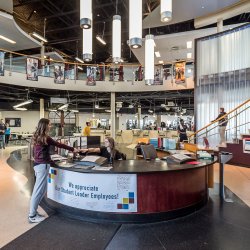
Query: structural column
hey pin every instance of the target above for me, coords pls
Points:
(219, 25)
(42, 108)
(112, 107)
(139, 117)
(42, 54)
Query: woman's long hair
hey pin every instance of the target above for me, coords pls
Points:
(41, 133)
(111, 145)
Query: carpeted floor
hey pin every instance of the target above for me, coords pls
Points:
(222, 226)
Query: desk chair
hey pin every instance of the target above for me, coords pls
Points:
(148, 152)
(19, 140)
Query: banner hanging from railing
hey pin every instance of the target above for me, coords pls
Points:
(158, 76)
(91, 76)
(59, 73)
(139, 73)
(32, 69)
(2, 54)
(180, 72)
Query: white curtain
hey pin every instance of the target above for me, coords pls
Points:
(223, 79)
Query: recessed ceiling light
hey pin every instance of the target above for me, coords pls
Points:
(189, 44)
(189, 55)
(202, 7)
(157, 54)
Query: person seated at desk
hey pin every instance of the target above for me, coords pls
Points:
(108, 151)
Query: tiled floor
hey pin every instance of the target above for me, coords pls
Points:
(14, 200)
(15, 191)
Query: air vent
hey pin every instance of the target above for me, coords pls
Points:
(175, 48)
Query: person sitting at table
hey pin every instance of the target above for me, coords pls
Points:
(108, 150)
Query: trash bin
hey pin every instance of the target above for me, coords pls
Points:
(224, 157)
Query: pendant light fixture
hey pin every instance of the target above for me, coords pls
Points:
(166, 10)
(149, 59)
(87, 45)
(135, 23)
(116, 39)
(85, 14)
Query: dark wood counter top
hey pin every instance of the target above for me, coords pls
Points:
(143, 166)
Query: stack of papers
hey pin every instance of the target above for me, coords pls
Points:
(57, 157)
(66, 165)
(102, 168)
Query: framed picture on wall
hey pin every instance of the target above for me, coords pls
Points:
(13, 122)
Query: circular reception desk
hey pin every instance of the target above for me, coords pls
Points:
(132, 191)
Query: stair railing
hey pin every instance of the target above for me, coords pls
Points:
(193, 137)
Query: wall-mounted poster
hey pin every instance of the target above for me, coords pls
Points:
(158, 76)
(59, 73)
(13, 122)
(2, 63)
(91, 76)
(180, 72)
(32, 69)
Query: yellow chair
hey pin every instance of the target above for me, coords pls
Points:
(143, 140)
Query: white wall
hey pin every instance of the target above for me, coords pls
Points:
(29, 120)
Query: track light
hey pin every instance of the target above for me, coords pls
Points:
(100, 39)
(7, 39)
(79, 60)
(64, 106)
(20, 109)
(22, 103)
(39, 37)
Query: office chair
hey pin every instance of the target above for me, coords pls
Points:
(148, 152)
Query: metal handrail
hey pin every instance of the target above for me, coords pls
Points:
(226, 129)
(226, 115)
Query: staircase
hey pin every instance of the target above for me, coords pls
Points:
(236, 135)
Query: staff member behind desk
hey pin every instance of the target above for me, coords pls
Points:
(41, 145)
(108, 151)
(86, 130)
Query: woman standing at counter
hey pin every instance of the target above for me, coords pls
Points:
(108, 151)
(41, 142)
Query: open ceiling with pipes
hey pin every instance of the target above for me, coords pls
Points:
(59, 21)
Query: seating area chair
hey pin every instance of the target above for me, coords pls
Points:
(148, 152)
(118, 135)
(136, 133)
(162, 133)
(107, 133)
